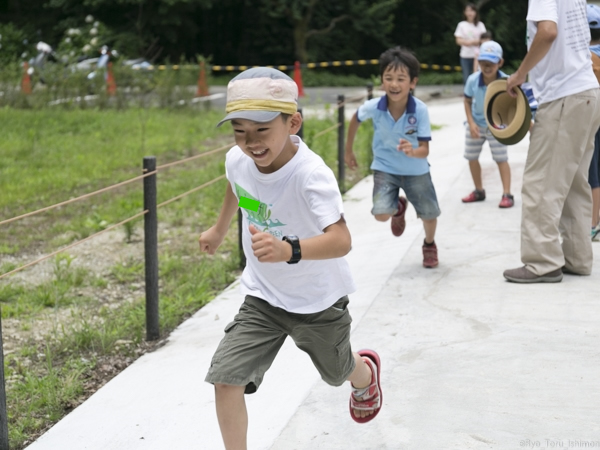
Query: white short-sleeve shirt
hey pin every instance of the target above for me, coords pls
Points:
(302, 199)
(567, 68)
(468, 30)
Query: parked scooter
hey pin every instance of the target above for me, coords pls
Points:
(39, 61)
(106, 55)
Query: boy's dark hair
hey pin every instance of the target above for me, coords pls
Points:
(595, 33)
(285, 116)
(398, 57)
(473, 6)
(487, 35)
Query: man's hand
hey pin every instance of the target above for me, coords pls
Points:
(350, 159)
(210, 240)
(267, 248)
(516, 79)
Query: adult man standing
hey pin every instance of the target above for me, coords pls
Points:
(556, 195)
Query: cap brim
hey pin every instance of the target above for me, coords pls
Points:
(254, 116)
(513, 128)
(492, 59)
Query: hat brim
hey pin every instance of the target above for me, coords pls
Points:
(512, 128)
(492, 59)
(254, 116)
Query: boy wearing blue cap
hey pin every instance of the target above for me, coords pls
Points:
(296, 281)
(593, 16)
(477, 131)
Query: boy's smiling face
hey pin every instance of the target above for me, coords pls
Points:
(397, 83)
(268, 144)
(489, 69)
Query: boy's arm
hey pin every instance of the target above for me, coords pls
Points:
(472, 125)
(335, 242)
(349, 157)
(422, 151)
(212, 238)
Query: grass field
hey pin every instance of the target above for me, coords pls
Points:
(74, 322)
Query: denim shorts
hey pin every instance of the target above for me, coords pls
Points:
(418, 188)
(258, 331)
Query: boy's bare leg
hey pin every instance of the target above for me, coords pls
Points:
(476, 174)
(429, 226)
(504, 169)
(232, 415)
(360, 378)
(382, 217)
(595, 206)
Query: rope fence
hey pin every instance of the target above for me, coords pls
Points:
(285, 67)
(73, 245)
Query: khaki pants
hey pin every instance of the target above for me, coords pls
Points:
(556, 195)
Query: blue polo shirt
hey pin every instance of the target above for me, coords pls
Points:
(475, 89)
(413, 126)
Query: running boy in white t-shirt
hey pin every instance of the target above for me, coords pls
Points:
(296, 281)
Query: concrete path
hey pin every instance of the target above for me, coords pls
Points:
(469, 361)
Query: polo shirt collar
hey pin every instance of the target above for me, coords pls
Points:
(411, 105)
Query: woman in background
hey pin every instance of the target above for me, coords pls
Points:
(467, 34)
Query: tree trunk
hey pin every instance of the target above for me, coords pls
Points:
(300, 29)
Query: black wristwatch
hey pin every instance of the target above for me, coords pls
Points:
(296, 253)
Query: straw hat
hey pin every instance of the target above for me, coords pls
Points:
(508, 118)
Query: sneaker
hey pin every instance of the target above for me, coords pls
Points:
(475, 196)
(524, 275)
(430, 256)
(507, 201)
(596, 232)
(398, 222)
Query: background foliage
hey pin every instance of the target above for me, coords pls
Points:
(262, 31)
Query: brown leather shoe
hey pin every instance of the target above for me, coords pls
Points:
(524, 275)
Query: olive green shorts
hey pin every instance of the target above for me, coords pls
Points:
(258, 331)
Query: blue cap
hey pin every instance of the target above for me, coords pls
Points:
(593, 16)
(490, 51)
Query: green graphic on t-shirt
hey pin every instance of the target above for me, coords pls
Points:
(261, 218)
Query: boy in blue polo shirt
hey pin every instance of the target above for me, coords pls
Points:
(477, 131)
(400, 149)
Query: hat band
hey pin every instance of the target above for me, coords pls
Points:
(261, 105)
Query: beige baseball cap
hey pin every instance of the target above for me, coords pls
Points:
(260, 94)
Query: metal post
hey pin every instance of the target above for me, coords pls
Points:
(341, 136)
(240, 245)
(369, 90)
(3, 412)
(301, 130)
(151, 250)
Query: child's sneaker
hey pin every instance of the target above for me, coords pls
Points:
(475, 196)
(430, 256)
(596, 232)
(507, 201)
(398, 222)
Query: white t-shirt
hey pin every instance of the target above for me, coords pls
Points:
(467, 30)
(567, 68)
(302, 198)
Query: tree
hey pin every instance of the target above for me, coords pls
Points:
(143, 27)
(310, 18)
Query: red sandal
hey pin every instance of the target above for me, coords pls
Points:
(371, 397)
